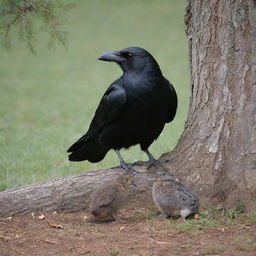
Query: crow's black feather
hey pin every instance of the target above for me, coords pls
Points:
(133, 110)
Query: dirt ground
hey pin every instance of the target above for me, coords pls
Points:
(71, 234)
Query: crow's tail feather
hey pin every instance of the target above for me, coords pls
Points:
(78, 144)
(90, 150)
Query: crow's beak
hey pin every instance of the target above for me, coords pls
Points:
(111, 56)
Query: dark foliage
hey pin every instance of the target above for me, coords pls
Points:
(28, 17)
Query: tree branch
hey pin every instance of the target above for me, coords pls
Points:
(71, 193)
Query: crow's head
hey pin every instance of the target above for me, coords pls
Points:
(132, 59)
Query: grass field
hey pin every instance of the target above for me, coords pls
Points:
(48, 100)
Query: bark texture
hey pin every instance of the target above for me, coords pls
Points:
(217, 151)
(70, 193)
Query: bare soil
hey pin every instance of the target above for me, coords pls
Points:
(71, 234)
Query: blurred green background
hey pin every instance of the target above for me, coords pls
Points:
(48, 100)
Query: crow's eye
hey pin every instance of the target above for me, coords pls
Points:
(127, 54)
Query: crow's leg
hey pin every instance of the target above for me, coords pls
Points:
(153, 162)
(123, 164)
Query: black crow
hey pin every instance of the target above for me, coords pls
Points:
(133, 110)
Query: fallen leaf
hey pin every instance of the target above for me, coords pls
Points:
(159, 242)
(41, 217)
(54, 225)
(196, 216)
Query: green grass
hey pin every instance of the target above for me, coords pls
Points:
(48, 100)
(114, 252)
(216, 218)
(197, 224)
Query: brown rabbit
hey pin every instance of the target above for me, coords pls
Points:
(107, 200)
(174, 199)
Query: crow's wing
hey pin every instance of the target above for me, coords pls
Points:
(110, 107)
(173, 103)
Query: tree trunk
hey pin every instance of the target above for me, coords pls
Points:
(216, 154)
(217, 151)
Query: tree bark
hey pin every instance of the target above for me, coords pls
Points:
(217, 152)
(71, 193)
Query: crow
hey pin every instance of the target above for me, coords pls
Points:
(133, 110)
